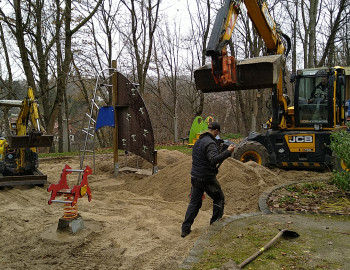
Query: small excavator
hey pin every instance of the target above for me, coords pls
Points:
(18, 152)
(294, 137)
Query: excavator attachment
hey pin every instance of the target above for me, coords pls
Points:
(28, 174)
(32, 140)
(35, 178)
(18, 157)
(253, 73)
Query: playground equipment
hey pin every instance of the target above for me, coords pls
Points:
(71, 218)
(128, 115)
(199, 125)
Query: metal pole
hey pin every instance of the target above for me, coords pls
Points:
(115, 131)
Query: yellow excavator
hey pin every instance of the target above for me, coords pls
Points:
(18, 152)
(296, 136)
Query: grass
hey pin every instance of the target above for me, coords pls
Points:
(179, 147)
(64, 154)
(227, 136)
(236, 242)
(313, 196)
(240, 245)
(76, 153)
(286, 199)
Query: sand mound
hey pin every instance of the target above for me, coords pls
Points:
(241, 182)
(104, 163)
(166, 157)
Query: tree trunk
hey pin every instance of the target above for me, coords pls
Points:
(66, 114)
(294, 49)
(22, 45)
(60, 131)
(312, 33)
(335, 26)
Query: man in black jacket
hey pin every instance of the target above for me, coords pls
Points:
(206, 158)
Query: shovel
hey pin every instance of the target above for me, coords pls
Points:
(284, 233)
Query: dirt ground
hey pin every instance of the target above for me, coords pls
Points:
(133, 220)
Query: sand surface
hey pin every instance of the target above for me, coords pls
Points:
(133, 220)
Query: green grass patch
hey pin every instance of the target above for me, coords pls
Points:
(305, 187)
(286, 199)
(76, 153)
(312, 186)
(64, 154)
(227, 136)
(240, 239)
(181, 148)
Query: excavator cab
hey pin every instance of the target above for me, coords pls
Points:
(319, 100)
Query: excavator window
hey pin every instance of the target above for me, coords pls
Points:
(340, 100)
(312, 100)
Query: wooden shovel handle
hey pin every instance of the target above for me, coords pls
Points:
(258, 253)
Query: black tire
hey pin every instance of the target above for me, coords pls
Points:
(252, 151)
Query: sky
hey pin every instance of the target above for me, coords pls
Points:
(177, 10)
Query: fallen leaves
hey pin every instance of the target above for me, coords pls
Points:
(317, 197)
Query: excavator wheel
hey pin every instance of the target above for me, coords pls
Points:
(251, 151)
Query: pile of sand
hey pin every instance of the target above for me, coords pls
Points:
(242, 183)
(104, 164)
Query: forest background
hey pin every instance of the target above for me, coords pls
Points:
(59, 46)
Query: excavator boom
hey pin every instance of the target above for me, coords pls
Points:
(23, 136)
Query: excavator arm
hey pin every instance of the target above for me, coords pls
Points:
(29, 109)
(265, 25)
(27, 136)
(227, 74)
(223, 66)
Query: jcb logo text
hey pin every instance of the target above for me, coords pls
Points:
(300, 139)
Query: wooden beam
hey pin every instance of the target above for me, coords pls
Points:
(115, 131)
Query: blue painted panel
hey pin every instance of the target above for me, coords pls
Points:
(105, 117)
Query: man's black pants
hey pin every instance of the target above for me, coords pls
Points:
(213, 189)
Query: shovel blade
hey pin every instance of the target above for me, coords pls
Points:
(290, 234)
(253, 73)
(27, 141)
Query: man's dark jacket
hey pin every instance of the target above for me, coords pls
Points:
(206, 156)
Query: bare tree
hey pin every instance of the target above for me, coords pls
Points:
(197, 43)
(336, 13)
(144, 17)
(169, 65)
(8, 84)
(63, 63)
(292, 9)
(345, 42)
(310, 16)
(36, 39)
